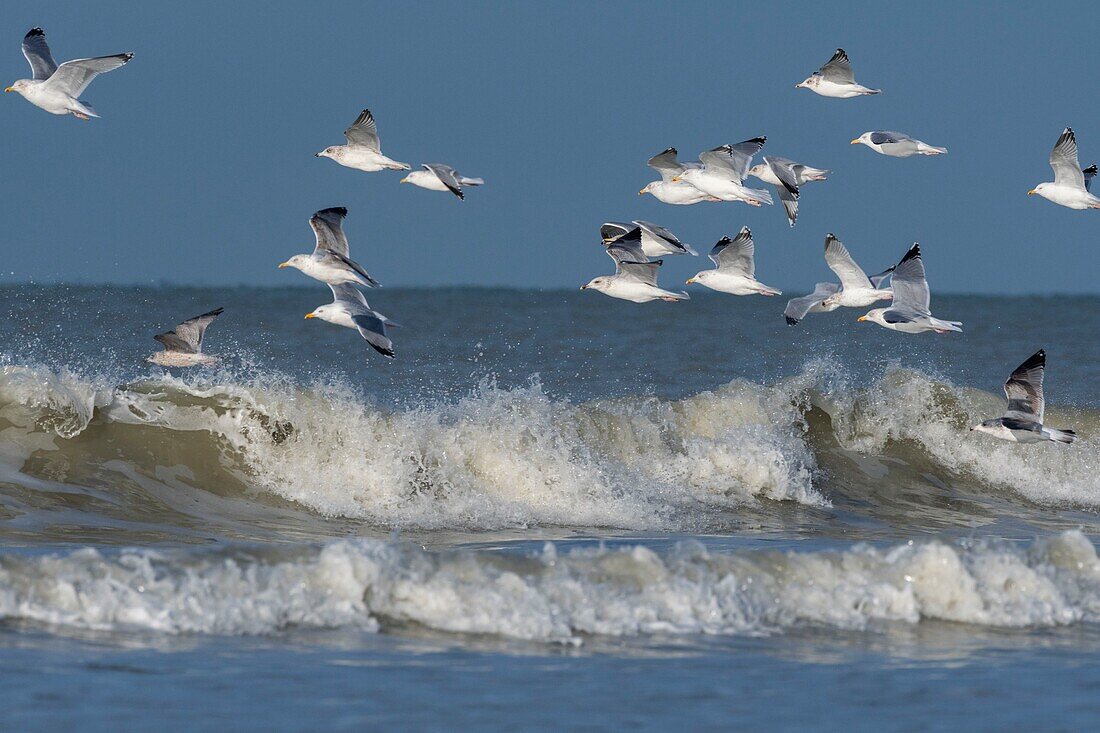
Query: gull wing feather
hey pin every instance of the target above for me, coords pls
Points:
(364, 132)
(187, 337)
(1024, 389)
(73, 77)
(38, 54)
(1063, 159)
(328, 227)
(735, 255)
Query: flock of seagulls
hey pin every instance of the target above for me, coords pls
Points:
(719, 175)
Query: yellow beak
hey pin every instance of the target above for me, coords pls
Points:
(690, 281)
(310, 315)
(861, 318)
(10, 89)
(584, 287)
(854, 142)
(283, 264)
(676, 179)
(641, 192)
(405, 180)
(1032, 191)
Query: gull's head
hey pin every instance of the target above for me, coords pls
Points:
(1040, 189)
(758, 170)
(333, 151)
(699, 277)
(415, 176)
(865, 139)
(18, 86)
(297, 261)
(809, 83)
(832, 302)
(874, 316)
(597, 283)
(321, 311)
(648, 188)
(992, 427)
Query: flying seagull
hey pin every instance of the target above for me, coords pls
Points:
(856, 289)
(183, 346)
(909, 312)
(896, 144)
(57, 89)
(329, 262)
(736, 268)
(787, 176)
(1023, 420)
(1071, 184)
(724, 170)
(835, 79)
(439, 177)
(363, 151)
(349, 309)
(666, 190)
(656, 241)
(634, 280)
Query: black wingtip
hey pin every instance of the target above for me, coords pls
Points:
(1039, 358)
(1091, 169)
(724, 240)
(338, 210)
(829, 239)
(791, 321)
(666, 151)
(36, 31)
(126, 56)
(912, 254)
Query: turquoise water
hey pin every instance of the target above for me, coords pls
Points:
(552, 511)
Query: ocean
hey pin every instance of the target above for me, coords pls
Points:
(553, 511)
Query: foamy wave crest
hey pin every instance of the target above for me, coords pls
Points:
(494, 459)
(557, 597)
(908, 409)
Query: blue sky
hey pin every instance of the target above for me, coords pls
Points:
(202, 170)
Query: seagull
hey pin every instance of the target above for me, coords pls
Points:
(183, 346)
(724, 169)
(787, 176)
(57, 89)
(909, 312)
(736, 269)
(656, 241)
(896, 144)
(1071, 184)
(634, 280)
(679, 193)
(1023, 420)
(363, 151)
(856, 289)
(349, 309)
(797, 308)
(835, 79)
(439, 177)
(329, 262)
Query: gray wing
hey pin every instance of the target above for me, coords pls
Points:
(1024, 389)
(879, 137)
(73, 77)
(349, 296)
(328, 227)
(364, 132)
(877, 280)
(734, 158)
(666, 164)
(784, 171)
(628, 248)
(1088, 174)
(838, 69)
(790, 203)
(612, 230)
(373, 330)
(1063, 159)
(643, 272)
(38, 54)
(735, 254)
(910, 286)
(840, 261)
(797, 308)
(669, 239)
(187, 337)
(448, 176)
(337, 259)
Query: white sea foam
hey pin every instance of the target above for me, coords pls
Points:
(908, 407)
(558, 597)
